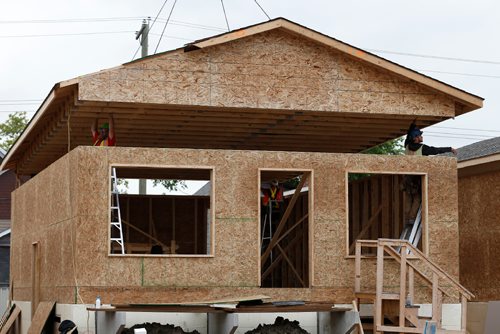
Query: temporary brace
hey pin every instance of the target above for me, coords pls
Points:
(116, 218)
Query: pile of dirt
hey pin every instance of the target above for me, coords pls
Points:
(280, 326)
(157, 328)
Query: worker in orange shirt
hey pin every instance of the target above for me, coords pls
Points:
(106, 134)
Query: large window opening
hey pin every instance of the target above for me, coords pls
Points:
(284, 228)
(385, 206)
(160, 211)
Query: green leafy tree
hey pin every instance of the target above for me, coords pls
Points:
(391, 147)
(12, 128)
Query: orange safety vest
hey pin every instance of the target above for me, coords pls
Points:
(273, 193)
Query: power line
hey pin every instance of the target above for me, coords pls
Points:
(456, 137)
(74, 20)
(262, 10)
(165, 27)
(457, 134)
(436, 57)
(467, 129)
(18, 104)
(225, 16)
(68, 34)
(465, 74)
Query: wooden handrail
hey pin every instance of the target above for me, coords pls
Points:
(434, 267)
(407, 270)
(419, 255)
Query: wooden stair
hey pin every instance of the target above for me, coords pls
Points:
(391, 312)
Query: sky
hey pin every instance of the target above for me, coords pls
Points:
(455, 41)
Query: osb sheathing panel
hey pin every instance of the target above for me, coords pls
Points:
(234, 267)
(272, 70)
(43, 214)
(480, 234)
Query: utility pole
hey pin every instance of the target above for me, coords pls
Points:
(143, 33)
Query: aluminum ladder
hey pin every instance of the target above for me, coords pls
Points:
(116, 217)
(413, 232)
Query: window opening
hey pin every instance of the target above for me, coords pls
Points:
(284, 229)
(385, 206)
(171, 215)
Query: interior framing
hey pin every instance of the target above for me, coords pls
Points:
(212, 210)
(425, 205)
(310, 220)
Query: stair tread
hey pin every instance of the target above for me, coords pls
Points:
(372, 295)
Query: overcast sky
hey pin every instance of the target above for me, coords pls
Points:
(45, 42)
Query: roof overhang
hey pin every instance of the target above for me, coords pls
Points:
(485, 164)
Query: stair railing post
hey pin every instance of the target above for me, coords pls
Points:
(436, 300)
(357, 268)
(463, 322)
(379, 288)
(402, 288)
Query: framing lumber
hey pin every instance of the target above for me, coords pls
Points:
(11, 320)
(283, 220)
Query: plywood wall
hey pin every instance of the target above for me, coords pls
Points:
(480, 234)
(66, 208)
(274, 70)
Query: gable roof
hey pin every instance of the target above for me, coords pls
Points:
(470, 101)
(64, 113)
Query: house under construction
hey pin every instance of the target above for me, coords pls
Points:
(271, 120)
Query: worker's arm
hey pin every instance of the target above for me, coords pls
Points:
(93, 128)
(111, 127)
(431, 150)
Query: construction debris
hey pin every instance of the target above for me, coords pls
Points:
(280, 326)
(157, 328)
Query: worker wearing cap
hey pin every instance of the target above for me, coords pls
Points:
(414, 146)
(106, 134)
(273, 193)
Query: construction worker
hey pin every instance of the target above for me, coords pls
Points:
(414, 146)
(412, 184)
(106, 134)
(273, 193)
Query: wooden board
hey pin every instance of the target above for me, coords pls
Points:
(40, 318)
(14, 316)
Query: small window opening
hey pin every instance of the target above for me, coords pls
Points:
(160, 211)
(385, 206)
(284, 229)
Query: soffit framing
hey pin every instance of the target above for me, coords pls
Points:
(149, 125)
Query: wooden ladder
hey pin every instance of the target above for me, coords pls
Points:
(394, 305)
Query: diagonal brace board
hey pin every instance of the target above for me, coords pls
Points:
(283, 220)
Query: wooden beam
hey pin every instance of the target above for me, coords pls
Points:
(283, 220)
(366, 227)
(145, 234)
(291, 266)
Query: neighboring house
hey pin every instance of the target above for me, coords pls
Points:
(274, 101)
(7, 185)
(479, 195)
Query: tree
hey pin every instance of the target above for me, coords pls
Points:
(12, 128)
(391, 147)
